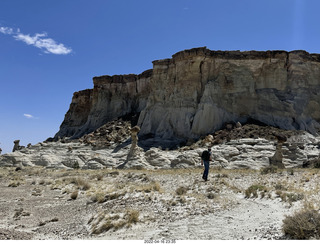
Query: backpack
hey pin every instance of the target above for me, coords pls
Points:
(205, 155)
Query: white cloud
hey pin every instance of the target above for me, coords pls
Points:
(38, 40)
(6, 30)
(29, 116)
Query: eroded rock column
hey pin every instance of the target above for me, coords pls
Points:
(134, 140)
(276, 159)
(16, 146)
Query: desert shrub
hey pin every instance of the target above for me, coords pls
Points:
(74, 195)
(181, 190)
(222, 176)
(213, 189)
(280, 187)
(133, 216)
(81, 183)
(290, 171)
(211, 195)
(289, 197)
(279, 194)
(253, 190)
(303, 225)
(114, 195)
(14, 184)
(99, 177)
(150, 187)
(115, 173)
(293, 197)
(156, 186)
(182, 199)
(268, 170)
(173, 203)
(76, 165)
(42, 182)
(99, 197)
(317, 164)
(104, 221)
(218, 168)
(103, 228)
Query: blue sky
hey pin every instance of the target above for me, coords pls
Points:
(50, 49)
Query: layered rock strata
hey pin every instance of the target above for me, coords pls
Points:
(250, 153)
(112, 97)
(198, 90)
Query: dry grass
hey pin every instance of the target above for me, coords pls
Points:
(81, 183)
(149, 187)
(253, 191)
(303, 225)
(181, 190)
(269, 170)
(105, 221)
(132, 216)
(14, 183)
(98, 197)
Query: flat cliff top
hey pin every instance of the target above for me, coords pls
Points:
(205, 52)
(122, 78)
(237, 54)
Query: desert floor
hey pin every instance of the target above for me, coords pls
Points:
(56, 204)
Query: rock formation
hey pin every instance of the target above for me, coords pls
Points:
(112, 97)
(134, 139)
(17, 146)
(249, 146)
(198, 90)
(276, 159)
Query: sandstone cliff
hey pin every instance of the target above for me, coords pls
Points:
(196, 91)
(111, 97)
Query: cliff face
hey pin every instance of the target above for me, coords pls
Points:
(111, 97)
(78, 113)
(196, 91)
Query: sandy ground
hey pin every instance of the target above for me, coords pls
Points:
(36, 203)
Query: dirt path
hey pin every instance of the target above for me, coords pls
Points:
(248, 220)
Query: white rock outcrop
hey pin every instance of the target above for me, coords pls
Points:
(250, 153)
(198, 90)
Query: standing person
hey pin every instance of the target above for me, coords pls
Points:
(206, 158)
